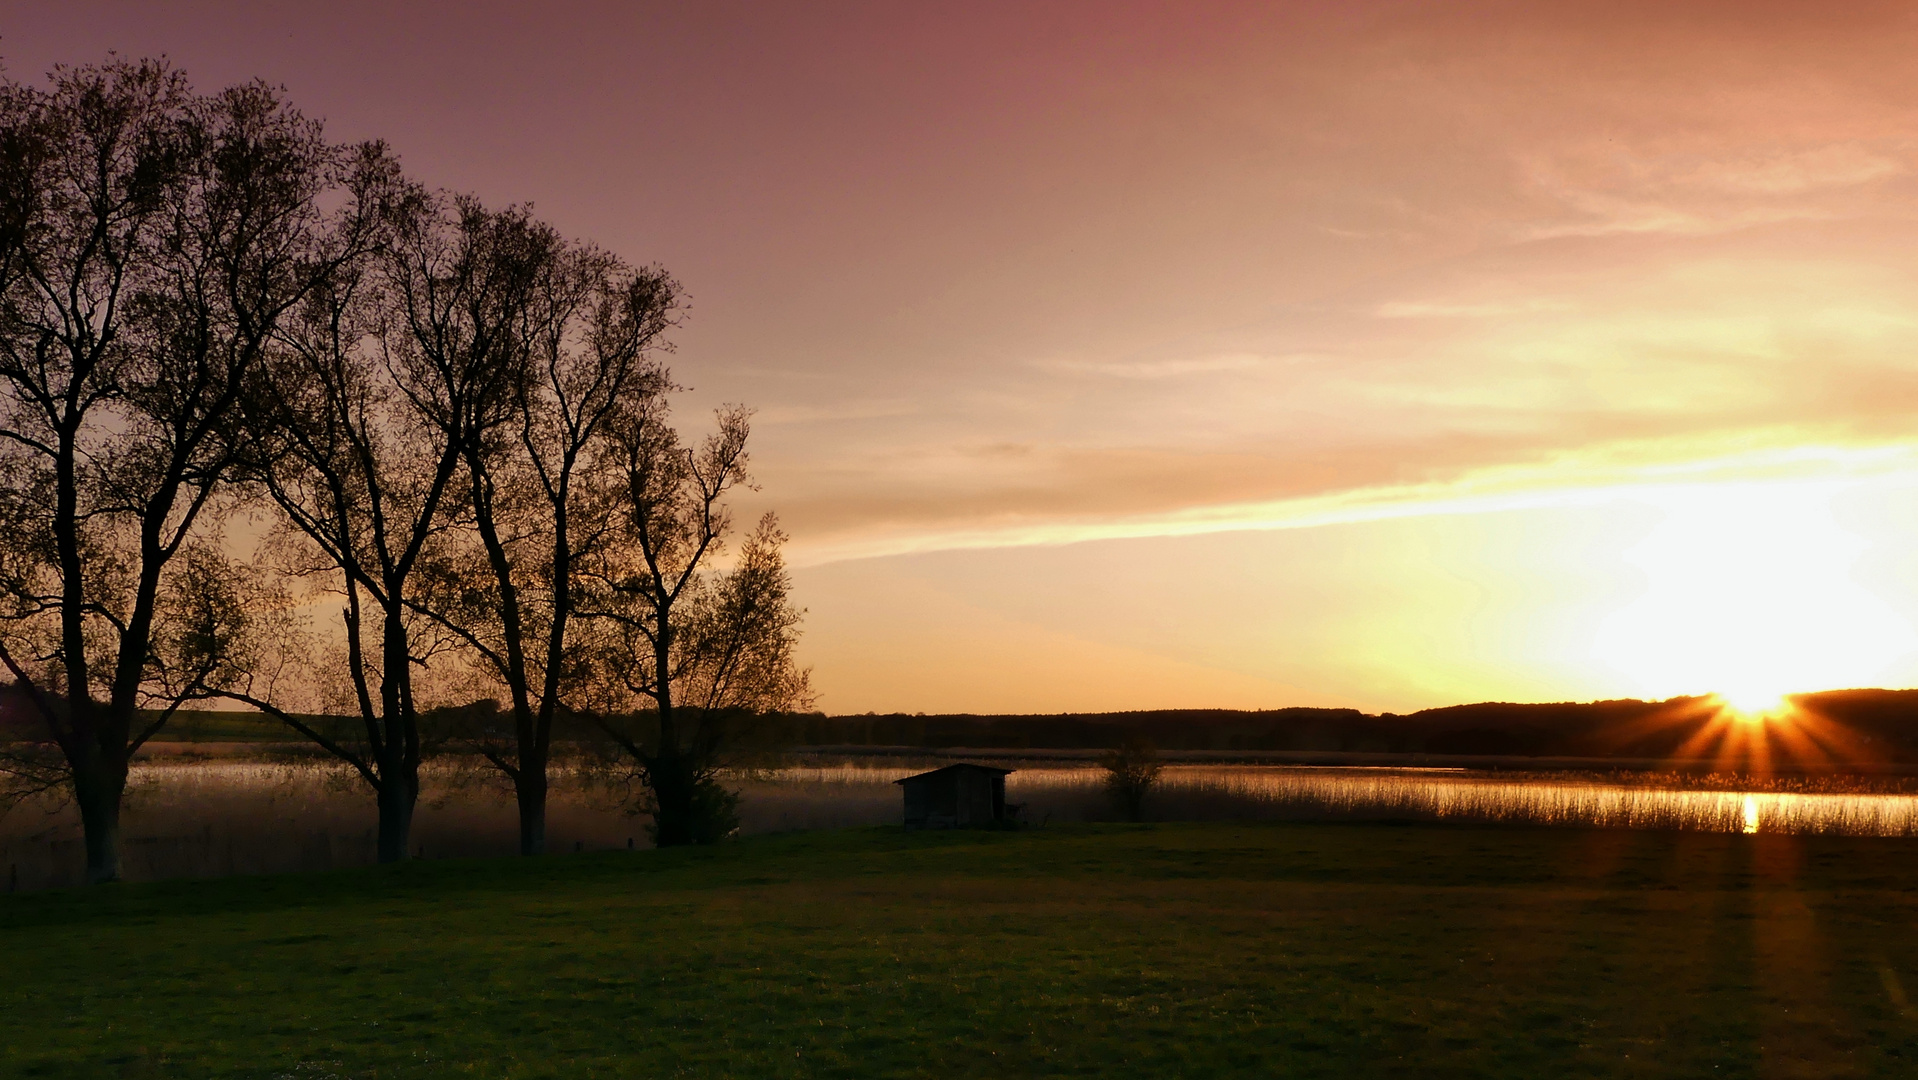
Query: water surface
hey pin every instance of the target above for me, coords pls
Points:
(225, 817)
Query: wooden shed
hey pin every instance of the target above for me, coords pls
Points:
(955, 797)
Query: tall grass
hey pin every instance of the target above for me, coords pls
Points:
(855, 793)
(211, 818)
(1202, 792)
(207, 818)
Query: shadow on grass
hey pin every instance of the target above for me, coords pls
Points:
(1425, 854)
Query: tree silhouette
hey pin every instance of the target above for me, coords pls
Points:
(358, 433)
(541, 479)
(457, 417)
(1131, 772)
(151, 242)
(700, 650)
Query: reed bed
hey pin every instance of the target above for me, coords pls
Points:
(210, 818)
(1199, 793)
(853, 793)
(213, 818)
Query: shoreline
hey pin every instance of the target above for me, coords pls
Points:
(282, 750)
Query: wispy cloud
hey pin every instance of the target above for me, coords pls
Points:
(1607, 189)
(1644, 470)
(1163, 369)
(782, 415)
(1835, 165)
(1421, 309)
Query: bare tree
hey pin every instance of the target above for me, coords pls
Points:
(702, 648)
(360, 436)
(150, 242)
(541, 501)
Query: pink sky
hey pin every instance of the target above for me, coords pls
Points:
(1134, 355)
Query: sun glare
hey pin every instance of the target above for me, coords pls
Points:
(1754, 704)
(1749, 595)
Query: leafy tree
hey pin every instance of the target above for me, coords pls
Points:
(542, 500)
(688, 650)
(1131, 772)
(458, 418)
(151, 242)
(359, 432)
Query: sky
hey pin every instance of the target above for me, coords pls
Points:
(1143, 355)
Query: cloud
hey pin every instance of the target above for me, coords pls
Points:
(1162, 369)
(1079, 508)
(1608, 216)
(1793, 172)
(1693, 190)
(822, 414)
(1405, 309)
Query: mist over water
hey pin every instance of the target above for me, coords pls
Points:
(246, 817)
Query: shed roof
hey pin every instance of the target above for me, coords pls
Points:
(950, 768)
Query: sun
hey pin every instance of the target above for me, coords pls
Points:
(1755, 704)
(1749, 594)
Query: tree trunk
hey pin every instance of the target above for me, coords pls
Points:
(529, 788)
(671, 778)
(97, 787)
(399, 791)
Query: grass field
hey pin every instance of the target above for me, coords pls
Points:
(1195, 950)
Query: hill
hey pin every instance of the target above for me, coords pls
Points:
(1840, 726)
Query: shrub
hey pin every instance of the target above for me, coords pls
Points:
(1131, 770)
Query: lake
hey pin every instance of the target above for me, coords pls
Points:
(234, 817)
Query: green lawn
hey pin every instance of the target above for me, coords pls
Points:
(1196, 950)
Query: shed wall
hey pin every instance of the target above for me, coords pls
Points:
(958, 798)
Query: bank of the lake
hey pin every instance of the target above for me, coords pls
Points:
(218, 816)
(1197, 950)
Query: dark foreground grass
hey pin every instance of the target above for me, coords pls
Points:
(1194, 950)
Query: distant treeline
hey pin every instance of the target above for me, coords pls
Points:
(1838, 726)
(1844, 725)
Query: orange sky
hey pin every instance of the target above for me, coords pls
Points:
(1135, 355)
